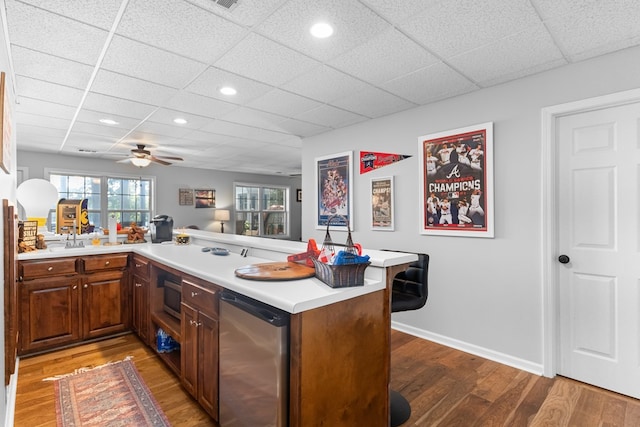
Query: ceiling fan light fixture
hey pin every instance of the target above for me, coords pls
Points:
(228, 90)
(321, 30)
(140, 162)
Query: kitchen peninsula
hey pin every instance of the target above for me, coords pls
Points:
(338, 370)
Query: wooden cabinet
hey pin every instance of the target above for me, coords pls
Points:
(200, 342)
(66, 300)
(140, 298)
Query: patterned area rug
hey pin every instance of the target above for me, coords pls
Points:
(108, 395)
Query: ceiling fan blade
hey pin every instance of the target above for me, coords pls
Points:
(157, 160)
(127, 160)
(170, 158)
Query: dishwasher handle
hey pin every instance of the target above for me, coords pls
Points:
(258, 309)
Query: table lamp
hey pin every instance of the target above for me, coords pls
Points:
(221, 215)
(37, 197)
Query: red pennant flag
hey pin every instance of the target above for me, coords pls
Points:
(370, 160)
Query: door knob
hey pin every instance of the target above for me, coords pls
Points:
(563, 259)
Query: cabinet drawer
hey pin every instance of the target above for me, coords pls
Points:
(205, 299)
(104, 262)
(140, 266)
(50, 267)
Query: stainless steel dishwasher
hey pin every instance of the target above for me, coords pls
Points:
(254, 363)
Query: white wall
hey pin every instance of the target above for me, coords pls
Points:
(168, 180)
(485, 294)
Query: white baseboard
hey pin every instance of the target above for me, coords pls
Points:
(505, 359)
(12, 388)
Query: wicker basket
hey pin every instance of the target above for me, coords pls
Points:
(345, 275)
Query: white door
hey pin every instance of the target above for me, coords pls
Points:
(598, 217)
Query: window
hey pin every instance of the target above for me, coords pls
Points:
(262, 210)
(129, 198)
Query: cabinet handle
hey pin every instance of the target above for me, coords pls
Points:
(75, 287)
(195, 323)
(106, 263)
(138, 285)
(50, 269)
(194, 294)
(85, 286)
(138, 265)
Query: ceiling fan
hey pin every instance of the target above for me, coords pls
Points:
(142, 158)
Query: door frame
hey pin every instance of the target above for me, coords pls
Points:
(550, 266)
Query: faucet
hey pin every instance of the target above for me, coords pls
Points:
(74, 244)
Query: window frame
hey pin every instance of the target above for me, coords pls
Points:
(104, 176)
(262, 211)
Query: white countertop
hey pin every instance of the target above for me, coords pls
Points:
(293, 296)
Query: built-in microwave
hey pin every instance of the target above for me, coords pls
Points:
(172, 298)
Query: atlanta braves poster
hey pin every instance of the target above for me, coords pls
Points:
(334, 190)
(456, 186)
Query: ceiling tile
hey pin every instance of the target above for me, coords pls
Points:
(283, 103)
(166, 116)
(179, 27)
(525, 53)
(353, 24)
(108, 83)
(452, 27)
(46, 32)
(329, 116)
(99, 13)
(397, 11)
(241, 131)
(430, 84)
(99, 130)
(210, 82)
(162, 129)
(597, 28)
(255, 118)
(265, 61)
(303, 129)
(41, 66)
(384, 57)
(40, 121)
(148, 63)
(118, 106)
(44, 108)
(373, 102)
(46, 91)
(198, 104)
(94, 117)
(325, 84)
(245, 12)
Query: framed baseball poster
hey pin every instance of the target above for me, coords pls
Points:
(456, 182)
(334, 188)
(382, 204)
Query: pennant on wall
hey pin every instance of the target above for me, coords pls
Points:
(370, 160)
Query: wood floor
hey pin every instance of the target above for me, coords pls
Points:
(445, 387)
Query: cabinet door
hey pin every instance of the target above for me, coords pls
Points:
(140, 318)
(208, 364)
(103, 304)
(189, 350)
(49, 313)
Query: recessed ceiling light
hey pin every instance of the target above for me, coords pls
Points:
(228, 90)
(108, 122)
(180, 121)
(321, 30)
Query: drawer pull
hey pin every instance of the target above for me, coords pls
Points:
(85, 286)
(138, 265)
(50, 269)
(75, 287)
(106, 263)
(138, 285)
(194, 294)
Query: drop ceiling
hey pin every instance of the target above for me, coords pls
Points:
(143, 63)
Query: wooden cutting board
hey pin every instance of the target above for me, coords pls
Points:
(275, 271)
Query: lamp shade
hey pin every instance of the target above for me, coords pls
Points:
(221, 215)
(37, 197)
(140, 162)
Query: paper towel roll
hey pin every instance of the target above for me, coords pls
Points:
(113, 229)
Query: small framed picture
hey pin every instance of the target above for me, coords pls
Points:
(185, 197)
(382, 204)
(334, 178)
(205, 198)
